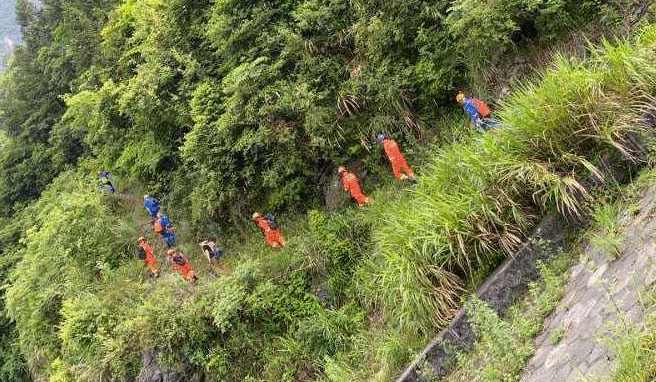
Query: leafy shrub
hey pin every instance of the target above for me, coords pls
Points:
(499, 342)
(484, 31)
(69, 242)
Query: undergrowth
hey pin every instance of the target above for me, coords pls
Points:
(634, 346)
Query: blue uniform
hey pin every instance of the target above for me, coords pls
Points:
(167, 235)
(105, 181)
(165, 222)
(169, 238)
(152, 205)
(471, 109)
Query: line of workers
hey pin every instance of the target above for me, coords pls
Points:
(480, 114)
(161, 224)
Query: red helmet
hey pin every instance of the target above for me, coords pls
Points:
(341, 169)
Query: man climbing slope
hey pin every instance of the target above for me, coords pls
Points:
(152, 206)
(351, 185)
(397, 160)
(477, 109)
(271, 232)
(145, 253)
(182, 264)
(163, 227)
(105, 181)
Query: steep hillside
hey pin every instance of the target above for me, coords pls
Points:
(222, 108)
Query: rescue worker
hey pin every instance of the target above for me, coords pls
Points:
(181, 264)
(211, 250)
(163, 227)
(399, 165)
(477, 109)
(351, 185)
(164, 220)
(145, 253)
(152, 206)
(272, 235)
(103, 177)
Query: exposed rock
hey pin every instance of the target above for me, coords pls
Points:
(151, 371)
(505, 286)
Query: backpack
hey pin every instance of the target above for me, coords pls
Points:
(141, 253)
(271, 220)
(218, 253)
(483, 110)
(179, 260)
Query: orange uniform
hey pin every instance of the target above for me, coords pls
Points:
(272, 236)
(399, 165)
(351, 185)
(182, 265)
(150, 258)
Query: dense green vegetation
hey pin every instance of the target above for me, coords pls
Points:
(226, 107)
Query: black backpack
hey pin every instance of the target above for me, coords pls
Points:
(179, 260)
(218, 253)
(141, 253)
(272, 221)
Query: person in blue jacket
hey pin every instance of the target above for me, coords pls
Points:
(162, 226)
(164, 220)
(152, 206)
(470, 108)
(479, 112)
(169, 238)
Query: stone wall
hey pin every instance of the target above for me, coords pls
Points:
(502, 288)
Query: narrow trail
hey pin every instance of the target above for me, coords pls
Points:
(132, 209)
(602, 298)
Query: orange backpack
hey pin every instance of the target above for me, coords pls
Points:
(483, 110)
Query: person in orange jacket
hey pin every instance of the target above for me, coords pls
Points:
(182, 264)
(145, 253)
(399, 165)
(351, 185)
(163, 227)
(271, 232)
